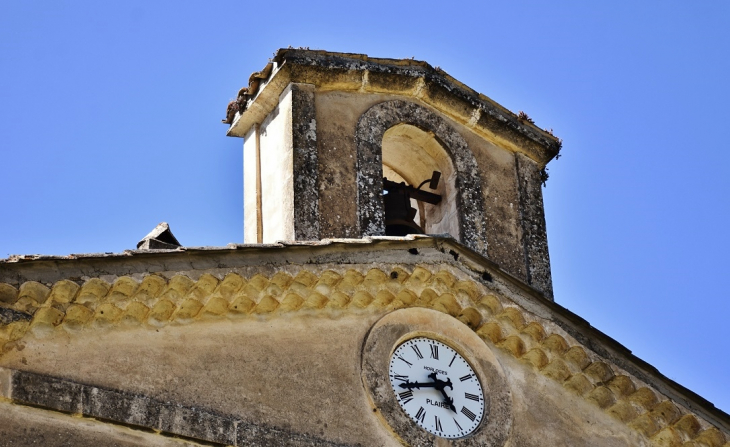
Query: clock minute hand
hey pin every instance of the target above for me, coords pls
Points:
(449, 400)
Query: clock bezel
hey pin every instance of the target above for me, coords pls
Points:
(402, 325)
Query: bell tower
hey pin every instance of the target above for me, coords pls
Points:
(347, 146)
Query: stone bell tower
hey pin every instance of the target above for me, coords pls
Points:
(338, 145)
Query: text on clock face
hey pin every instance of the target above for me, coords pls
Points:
(437, 371)
(437, 403)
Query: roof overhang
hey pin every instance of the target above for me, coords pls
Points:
(404, 77)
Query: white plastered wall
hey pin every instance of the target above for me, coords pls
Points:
(250, 186)
(276, 173)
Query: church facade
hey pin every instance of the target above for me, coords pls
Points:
(393, 288)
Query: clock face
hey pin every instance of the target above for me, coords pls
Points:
(437, 388)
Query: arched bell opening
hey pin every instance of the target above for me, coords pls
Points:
(415, 129)
(419, 184)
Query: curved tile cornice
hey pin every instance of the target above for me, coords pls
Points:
(40, 310)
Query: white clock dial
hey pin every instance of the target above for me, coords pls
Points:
(437, 388)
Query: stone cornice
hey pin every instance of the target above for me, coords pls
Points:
(403, 77)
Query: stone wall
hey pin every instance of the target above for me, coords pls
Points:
(242, 343)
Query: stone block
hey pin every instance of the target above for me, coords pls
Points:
(557, 370)
(315, 301)
(48, 316)
(338, 300)
(35, 291)
(108, 314)
(6, 377)
(266, 305)
(8, 293)
(711, 437)
(514, 345)
(77, 315)
(446, 303)
(123, 288)
(151, 286)
(197, 424)
(242, 304)
(92, 291)
(491, 303)
(622, 386)
(44, 391)
(600, 372)
(689, 425)
(120, 407)
(579, 384)
(577, 357)
(666, 413)
(468, 288)
(603, 397)
(256, 436)
(536, 357)
(162, 311)
(362, 299)
(136, 313)
(188, 309)
(291, 302)
(513, 317)
(555, 344)
(535, 331)
(646, 425)
(491, 331)
(470, 317)
(230, 285)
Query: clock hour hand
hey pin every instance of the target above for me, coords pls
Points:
(419, 385)
(438, 384)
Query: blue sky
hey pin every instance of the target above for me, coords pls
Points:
(110, 123)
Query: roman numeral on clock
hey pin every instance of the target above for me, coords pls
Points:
(409, 363)
(466, 377)
(467, 412)
(452, 360)
(401, 378)
(406, 396)
(417, 351)
(473, 397)
(438, 424)
(421, 415)
(434, 351)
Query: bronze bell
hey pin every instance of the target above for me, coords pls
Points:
(399, 213)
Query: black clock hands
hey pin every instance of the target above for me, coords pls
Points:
(440, 385)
